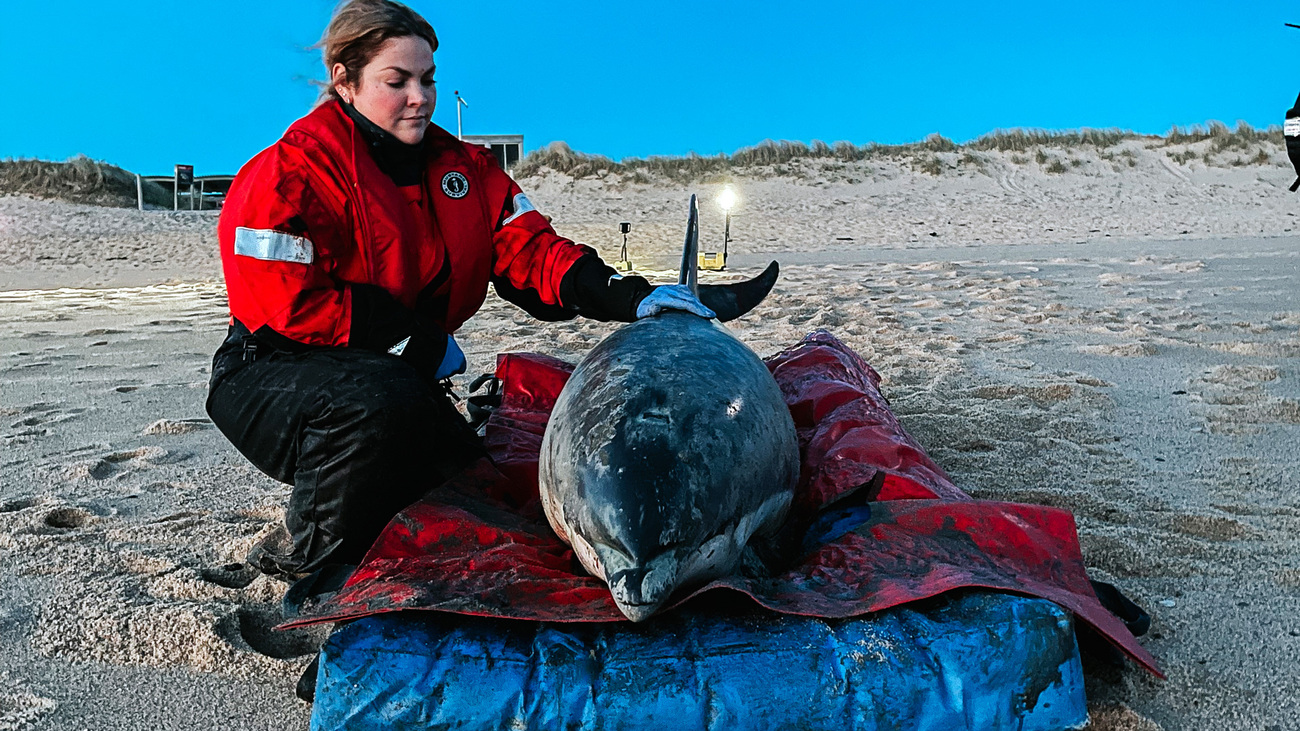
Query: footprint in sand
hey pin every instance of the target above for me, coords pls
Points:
(68, 517)
(1228, 385)
(1183, 267)
(231, 575)
(17, 504)
(254, 625)
(1094, 382)
(177, 426)
(122, 462)
(1212, 527)
(1125, 350)
(1261, 350)
(35, 517)
(1238, 400)
(47, 416)
(223, 584)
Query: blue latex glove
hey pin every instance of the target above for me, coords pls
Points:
(453, 362)
(672, 297)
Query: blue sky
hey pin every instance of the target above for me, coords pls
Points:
(148, 84)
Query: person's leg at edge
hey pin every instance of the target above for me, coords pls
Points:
(359, 436)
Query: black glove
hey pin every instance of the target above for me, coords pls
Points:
(594, 289)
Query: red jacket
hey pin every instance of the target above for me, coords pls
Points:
(312, 220)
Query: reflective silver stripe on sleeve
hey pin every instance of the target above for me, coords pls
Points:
(521, 205)
(270, 245)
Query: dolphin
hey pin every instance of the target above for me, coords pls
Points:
(668, 450)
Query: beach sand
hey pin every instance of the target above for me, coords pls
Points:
(1058, 340)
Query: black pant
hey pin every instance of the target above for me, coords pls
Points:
(358, 434)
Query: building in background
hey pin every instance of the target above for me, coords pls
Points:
(189, 191)
(507, 148)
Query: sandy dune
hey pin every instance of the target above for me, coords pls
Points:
(1148, 385)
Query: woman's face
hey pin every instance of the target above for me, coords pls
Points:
(396, 89)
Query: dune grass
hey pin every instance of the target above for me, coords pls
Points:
(78, 180)
(789, 158)
(1221, 138)
(1238, 147)
(1026, 140)
(560, 158)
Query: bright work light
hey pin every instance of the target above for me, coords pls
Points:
(727, 199)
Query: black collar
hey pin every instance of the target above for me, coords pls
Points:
(402, 162)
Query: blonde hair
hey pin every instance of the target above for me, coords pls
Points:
(357, 30)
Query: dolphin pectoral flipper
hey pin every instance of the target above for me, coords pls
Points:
(730, 301)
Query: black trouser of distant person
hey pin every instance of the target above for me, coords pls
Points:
(358, 434)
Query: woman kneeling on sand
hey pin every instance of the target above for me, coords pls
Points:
(353, 248)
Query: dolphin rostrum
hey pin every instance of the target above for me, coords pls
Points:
(669, 448)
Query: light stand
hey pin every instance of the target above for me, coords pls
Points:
(726, 237)
(624, 264)
(711, 260)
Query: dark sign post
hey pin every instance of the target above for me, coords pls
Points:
(184, 176)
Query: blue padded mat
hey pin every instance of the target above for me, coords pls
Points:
(976, 660)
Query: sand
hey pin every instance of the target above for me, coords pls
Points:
(1145, 380)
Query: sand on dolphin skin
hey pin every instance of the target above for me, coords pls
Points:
(1146, 383)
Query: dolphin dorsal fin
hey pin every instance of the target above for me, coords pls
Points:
(691, 251)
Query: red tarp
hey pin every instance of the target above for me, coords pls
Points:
(480, 545)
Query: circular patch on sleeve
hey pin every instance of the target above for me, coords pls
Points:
(455, 184)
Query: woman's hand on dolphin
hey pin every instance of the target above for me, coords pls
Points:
(672, 297)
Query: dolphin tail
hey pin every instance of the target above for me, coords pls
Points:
(691, 251)
(730, 301)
